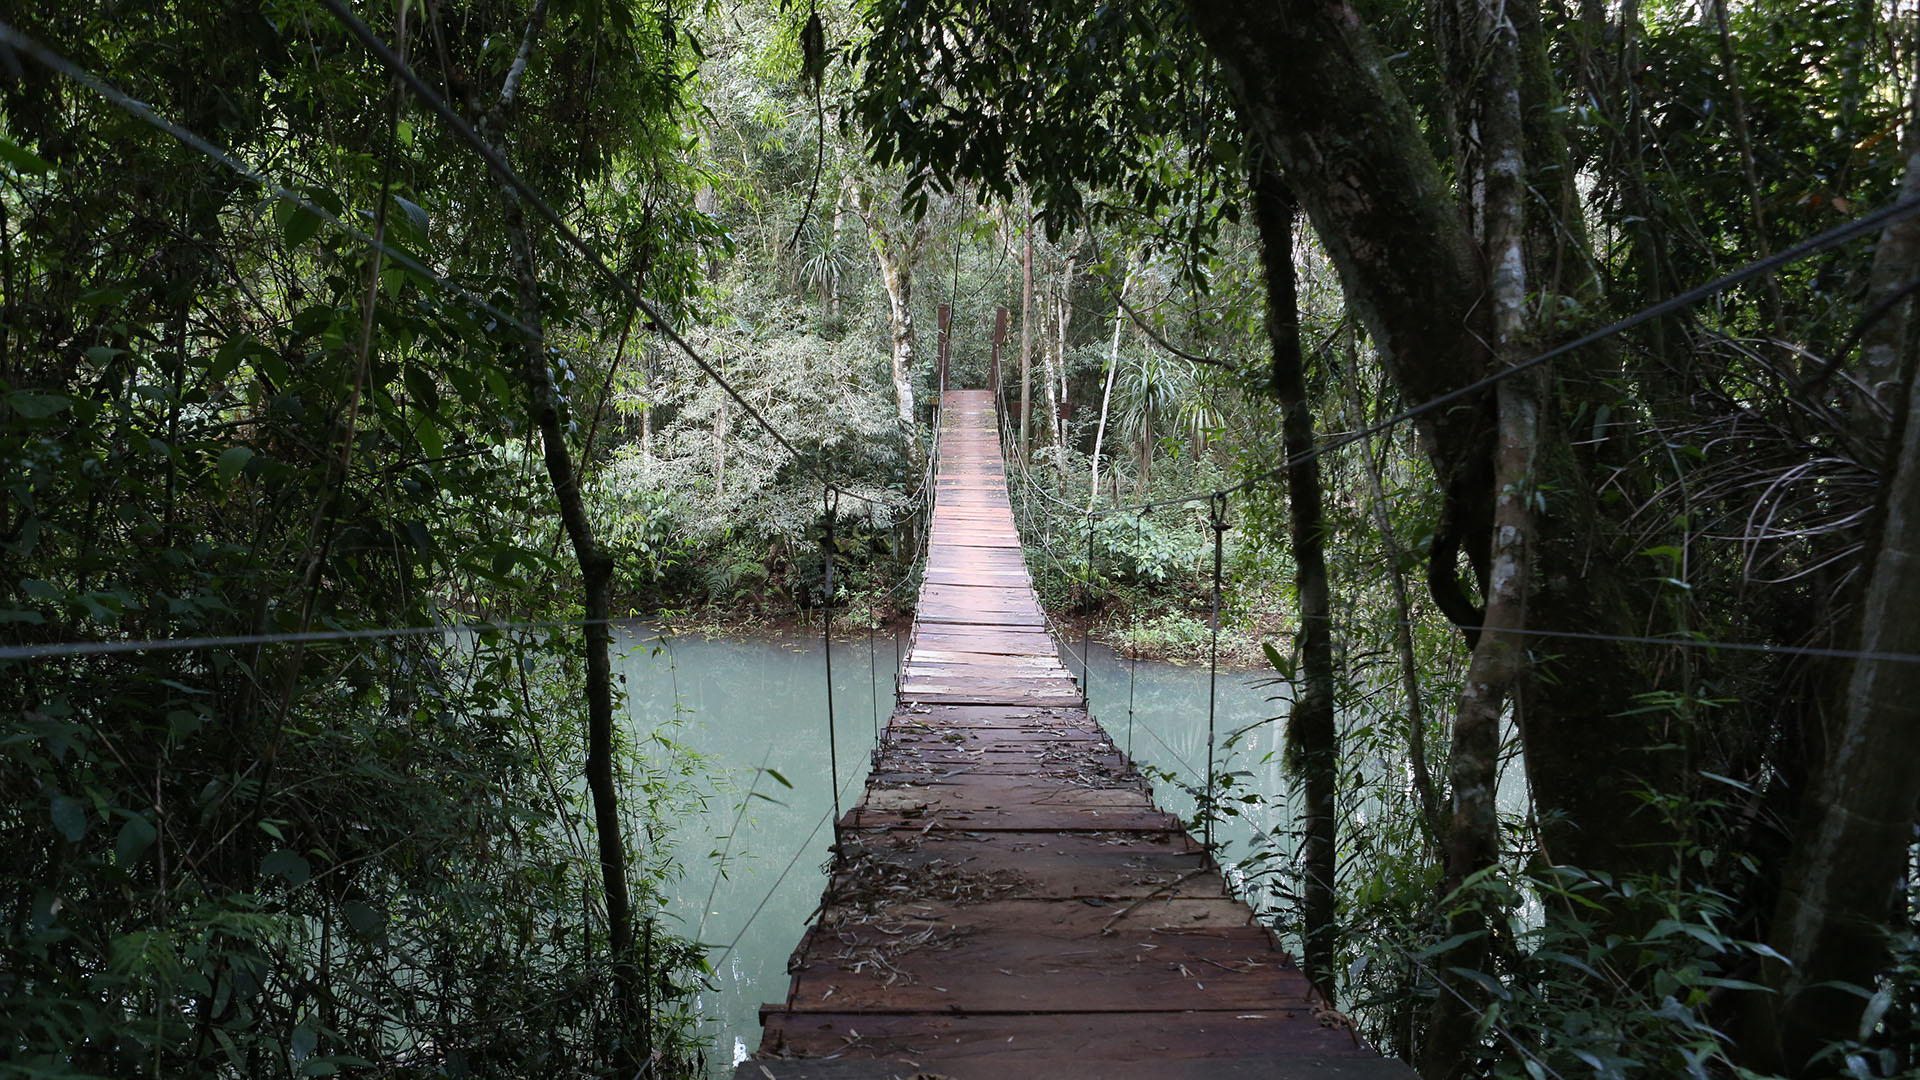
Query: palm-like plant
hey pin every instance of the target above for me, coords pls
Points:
(823, 264)
(1149, 390)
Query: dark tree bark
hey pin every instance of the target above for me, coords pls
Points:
(1316, 95)
(596, 573)
(1313, 747)
(1840, 891)
(1850, 850)
(1496, 677)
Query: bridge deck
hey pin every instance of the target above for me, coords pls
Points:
(1006, 900)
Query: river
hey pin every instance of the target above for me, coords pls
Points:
(749, 704)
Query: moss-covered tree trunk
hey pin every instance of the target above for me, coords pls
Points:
(1836, 912)
(1497, 674)
(596, 574)
(1316, 95)
(1313, 747)
(896, 248)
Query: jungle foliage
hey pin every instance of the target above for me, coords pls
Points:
(266, 812)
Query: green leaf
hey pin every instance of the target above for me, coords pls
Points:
(421, 387)
(232, 460)
(287, 864)
(775, 773)
(1487, 982)
(32, 406)
(303, 1042)
(362, 917)
(1732, 984)
(1280, 663)
(70, 817)
(309, 322)
(21, 158)
(1727, 780)
(1877, 1007)
(414, 214)
(136, 836)
(428, 432)
(1567, 959)
(1448, 945)
(297, 223)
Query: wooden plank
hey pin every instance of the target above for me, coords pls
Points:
(1276, 1043)
(1006, 900)
(1019, 819)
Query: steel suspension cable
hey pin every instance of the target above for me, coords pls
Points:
(1219, 509)
(496, 162)
(1086, 627)
(1133, 644)
(830, 505)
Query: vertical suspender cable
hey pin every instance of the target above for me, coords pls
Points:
(1218, 505)
(1133, 641)
(830, 503)
(873, 672)
(1086, 625)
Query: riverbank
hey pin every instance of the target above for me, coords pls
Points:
(1173, 636)
(1166, 635)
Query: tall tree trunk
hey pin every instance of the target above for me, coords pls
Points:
(896, 248)
(1301, 75)
(720, 449)
(839, 224)
(1144, 485)
(1896, 259)
(1313, 742)
(1026, 336)
(1837, 905)
(1054, 360)
(897, 276)
(596, 574)
(1106, 395)
(1496, 674)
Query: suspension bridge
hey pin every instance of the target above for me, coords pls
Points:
(1006, 900)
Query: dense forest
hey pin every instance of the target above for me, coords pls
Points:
(1543, 369)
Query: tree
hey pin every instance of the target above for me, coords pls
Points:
(1406, 159)
(896, 248)
(281, 853)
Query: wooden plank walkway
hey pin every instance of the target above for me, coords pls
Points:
(1006, 900)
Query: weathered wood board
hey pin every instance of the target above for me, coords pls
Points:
(1006, 901)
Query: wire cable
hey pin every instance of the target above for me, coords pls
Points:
(497, 163)
(63, 649)
(799, 850)
(21, 43)
(1831, 238)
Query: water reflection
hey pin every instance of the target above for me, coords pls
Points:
(747, 705)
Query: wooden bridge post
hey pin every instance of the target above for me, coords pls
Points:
(993, 366)
(946, 341)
